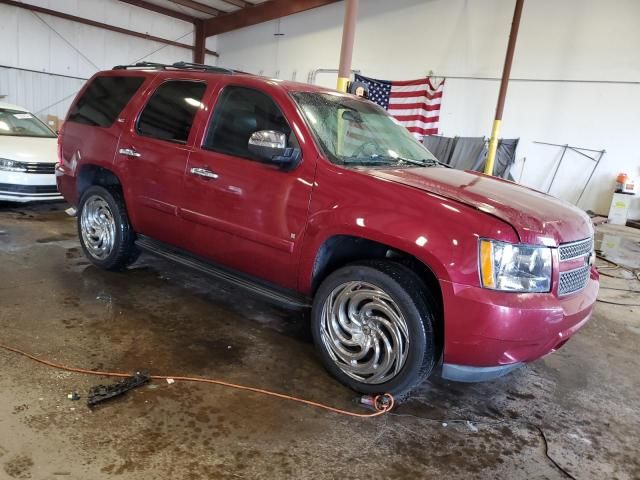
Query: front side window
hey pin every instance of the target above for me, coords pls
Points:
(170, 112)
(16, 123)
(356, 132)
(239, 113)
(103, 100)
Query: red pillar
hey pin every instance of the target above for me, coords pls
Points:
(200, 41)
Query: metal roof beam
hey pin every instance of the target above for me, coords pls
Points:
(200, 7)
(259, 13)
(92, 23)
(161, 10)
(238, 3)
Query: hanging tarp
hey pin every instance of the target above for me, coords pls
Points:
(441, 147)
(470, 153)
(467, 153)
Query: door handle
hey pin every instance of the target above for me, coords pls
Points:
(203, 172)
(129, 152)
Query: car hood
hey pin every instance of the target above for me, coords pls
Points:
(538, 219)
(29, 149)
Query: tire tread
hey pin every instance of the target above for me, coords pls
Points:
(415, 292)
(125, 251)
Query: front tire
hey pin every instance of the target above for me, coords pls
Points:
(106, 236)
(373, 325)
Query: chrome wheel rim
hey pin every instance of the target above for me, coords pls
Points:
(364, 332)
(98, 227)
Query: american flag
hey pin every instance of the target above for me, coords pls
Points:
(414, 103)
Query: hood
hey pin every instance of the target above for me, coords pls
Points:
(29, 149)
(538, 218)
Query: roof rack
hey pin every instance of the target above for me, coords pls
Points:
(175, 66)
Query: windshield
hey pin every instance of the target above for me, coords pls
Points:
(17, 123)
(358, 132)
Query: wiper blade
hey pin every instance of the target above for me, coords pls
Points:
(364, 160)
(386, 159)
(426, 162)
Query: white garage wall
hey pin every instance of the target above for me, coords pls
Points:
(592, 41)
(42, 93)
(64, 49)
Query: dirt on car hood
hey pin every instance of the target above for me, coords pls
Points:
(538, 218)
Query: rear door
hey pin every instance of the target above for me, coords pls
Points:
(248, 215)
(154, 152)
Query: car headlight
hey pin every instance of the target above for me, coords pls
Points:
(514, 267)
(12, 166)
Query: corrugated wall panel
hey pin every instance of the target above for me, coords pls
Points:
(48, 44)
(42, 93)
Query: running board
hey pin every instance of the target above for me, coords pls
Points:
(274, 294)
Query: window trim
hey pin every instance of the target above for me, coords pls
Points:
(150, 96)
(90, 84)
(213, 113)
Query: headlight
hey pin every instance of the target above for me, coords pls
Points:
(513, 267)
(12, 165)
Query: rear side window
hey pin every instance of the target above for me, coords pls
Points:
(240, 112)
(103, 100)
(170, 112)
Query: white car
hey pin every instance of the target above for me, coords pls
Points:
(28, 154)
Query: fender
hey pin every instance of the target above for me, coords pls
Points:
(441, 233)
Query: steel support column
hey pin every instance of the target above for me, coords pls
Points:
(346, 51)
(504, 83)
(199, 49)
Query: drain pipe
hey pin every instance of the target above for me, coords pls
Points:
(504, 83)
(348, 35)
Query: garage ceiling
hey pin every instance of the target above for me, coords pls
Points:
(209, 17)
(220, 16)
(202, 9)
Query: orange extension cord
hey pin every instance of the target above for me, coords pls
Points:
(380, 406)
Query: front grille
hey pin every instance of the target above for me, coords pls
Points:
(581, 248)
(8, 187)
(573, 280)
(41, 168)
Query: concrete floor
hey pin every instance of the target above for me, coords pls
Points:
(584, 397)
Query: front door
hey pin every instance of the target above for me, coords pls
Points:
(154, 153)
(244, 214)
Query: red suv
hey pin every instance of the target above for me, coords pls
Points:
(315, 198)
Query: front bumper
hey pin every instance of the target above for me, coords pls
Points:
(28, 187)
(489, 333)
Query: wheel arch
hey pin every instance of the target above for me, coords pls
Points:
(90, 174)
(342, 249)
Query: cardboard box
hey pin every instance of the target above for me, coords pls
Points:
(54, 123)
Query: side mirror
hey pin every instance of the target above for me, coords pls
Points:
(270, 146)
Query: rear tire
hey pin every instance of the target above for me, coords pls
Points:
(382, 306)
(106, 235)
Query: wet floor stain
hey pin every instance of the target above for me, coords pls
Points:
(19, 467)
(165, 320)
(56, 238)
